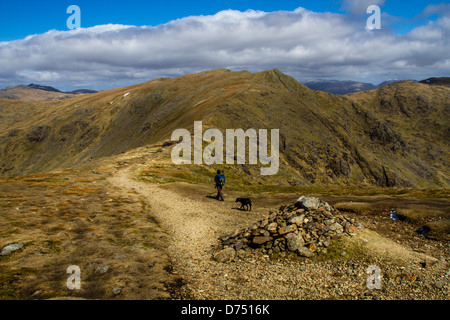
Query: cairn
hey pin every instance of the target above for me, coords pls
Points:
(305, 228)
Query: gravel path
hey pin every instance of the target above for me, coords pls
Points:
(195, 226)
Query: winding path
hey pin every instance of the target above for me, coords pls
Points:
(194, 227)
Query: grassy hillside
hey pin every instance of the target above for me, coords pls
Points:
(420, 114)
(324, 139)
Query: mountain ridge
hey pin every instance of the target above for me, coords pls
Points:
(355, 139)
(339, 87)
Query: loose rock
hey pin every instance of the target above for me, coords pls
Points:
(103, 269)
(294, 242)
(261, 240)
(224, 255)
(117, 290)
(305, 252)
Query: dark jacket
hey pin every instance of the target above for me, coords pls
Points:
(219, 180)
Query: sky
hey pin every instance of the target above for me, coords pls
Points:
(122, 43)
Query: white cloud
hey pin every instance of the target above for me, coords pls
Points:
(302, 43)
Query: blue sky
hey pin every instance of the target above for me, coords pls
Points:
(126, 42)
(21, 18)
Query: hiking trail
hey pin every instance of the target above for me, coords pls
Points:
(194, 225)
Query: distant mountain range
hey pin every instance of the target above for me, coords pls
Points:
(51, 89)
(348, 86)
(36, 92)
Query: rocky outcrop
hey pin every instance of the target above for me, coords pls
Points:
(305, 228)
(38, 134)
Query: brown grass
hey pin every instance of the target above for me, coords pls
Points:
(361, 207)
(80, 226)
(81, 190)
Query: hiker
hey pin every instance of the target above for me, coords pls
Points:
(220, 181)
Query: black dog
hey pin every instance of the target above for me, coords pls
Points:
(246, 203)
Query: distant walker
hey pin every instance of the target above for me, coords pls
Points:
(220, 182)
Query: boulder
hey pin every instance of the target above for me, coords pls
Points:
(10, 249)
(309, 203)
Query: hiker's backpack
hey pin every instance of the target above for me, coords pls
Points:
(220, 179)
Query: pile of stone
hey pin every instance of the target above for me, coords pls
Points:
(305, 228)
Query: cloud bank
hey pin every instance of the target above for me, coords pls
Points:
(302, 43)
